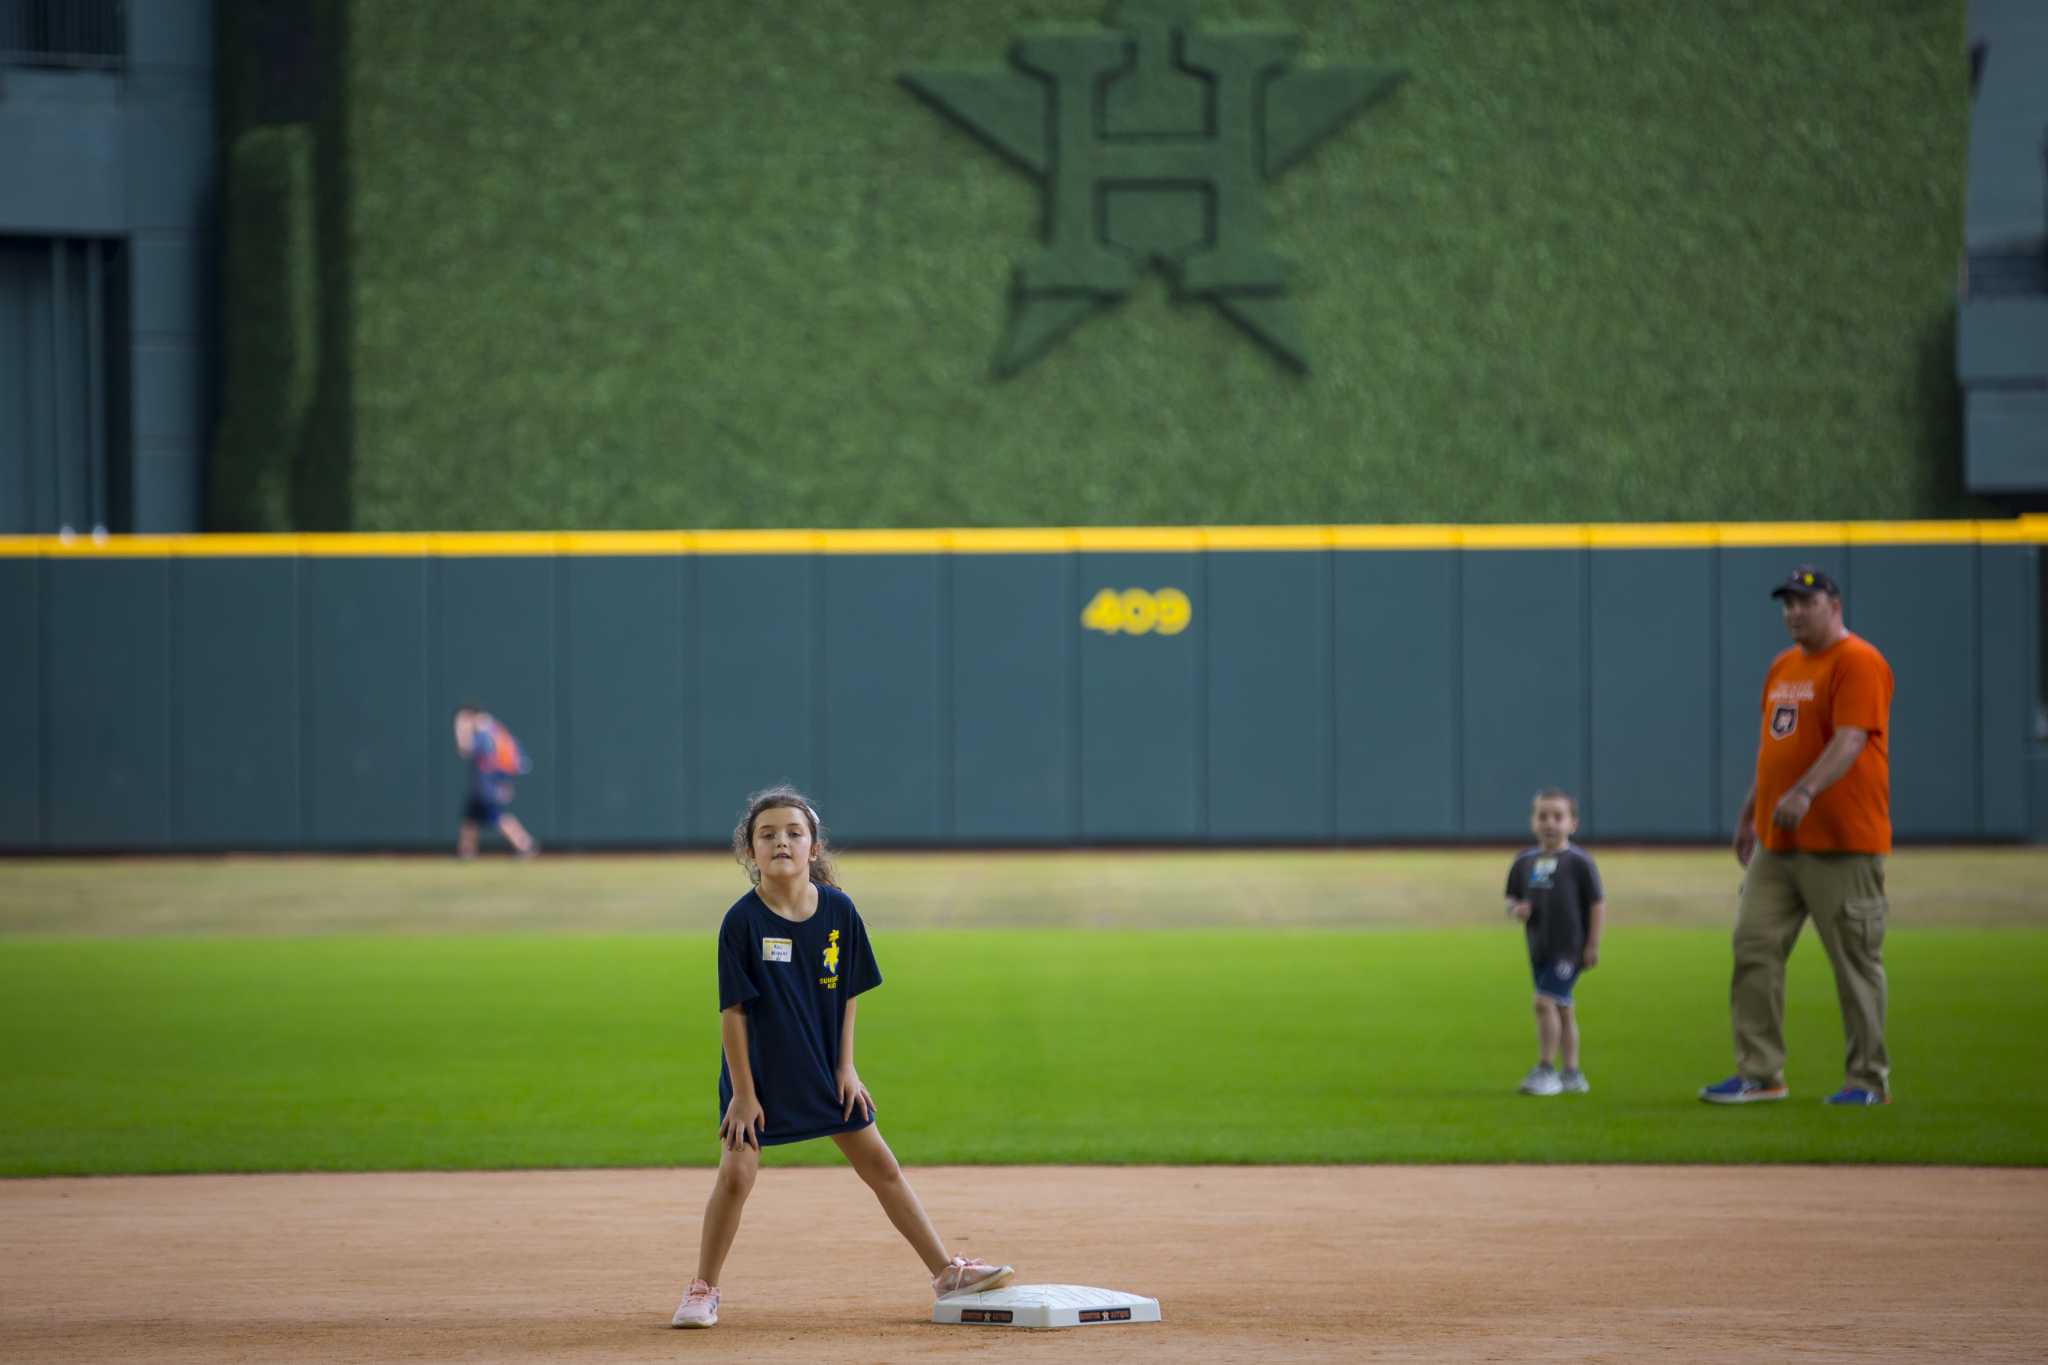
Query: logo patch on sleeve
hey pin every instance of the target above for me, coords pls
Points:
(776, 949)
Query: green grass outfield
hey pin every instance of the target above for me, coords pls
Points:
(1282, 1040)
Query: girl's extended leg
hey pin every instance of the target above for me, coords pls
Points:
(872, 1160)
(1568, 1035)
(736, 1172)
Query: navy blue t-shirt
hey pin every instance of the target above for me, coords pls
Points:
(794, 979)
(1561, 889)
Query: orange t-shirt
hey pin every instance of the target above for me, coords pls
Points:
(1806, 696)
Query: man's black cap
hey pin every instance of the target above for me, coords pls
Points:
(1806, 581)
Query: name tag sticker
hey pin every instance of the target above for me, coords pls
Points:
(775, 950)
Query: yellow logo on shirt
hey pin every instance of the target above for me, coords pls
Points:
(831, 982)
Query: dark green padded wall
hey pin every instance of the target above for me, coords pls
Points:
(1650, 694)
(751, 673)
(108, 704)
(1014, 694)
(881, 686)
(928, 698)
(235, 655)
(2006, 659)
(623, 755)
(1915, 604)
(21, 691)
(1143, 706)
(373, 734)
(1270, 761)
(1523, 669)
(1395, 650)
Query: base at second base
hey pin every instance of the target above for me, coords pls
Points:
(1045, 1305)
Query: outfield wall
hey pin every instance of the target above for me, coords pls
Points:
(977, 688)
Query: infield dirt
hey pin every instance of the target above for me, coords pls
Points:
(1548, 1263)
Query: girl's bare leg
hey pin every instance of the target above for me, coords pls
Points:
(736, 1172)
(872, 1160)
(1568, 1032)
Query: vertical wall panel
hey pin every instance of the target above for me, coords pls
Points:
(1395, 661)
(369, 724)
(623, 758)
(21, 667)
(1911, 601)
(755, 681)
(493, 643)
(1651, 619)
(108, 703)
(1142, 736)
(1014, 636)
(882, 772)
(1752, 633)
(236, 738)
(2006, 649)
(1269, 715)
(1524, 684)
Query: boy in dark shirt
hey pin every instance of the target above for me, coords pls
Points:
(1554, 890)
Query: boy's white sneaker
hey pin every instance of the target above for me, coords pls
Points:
(1542, 1080)
(1572, 1081)
(699, 1307)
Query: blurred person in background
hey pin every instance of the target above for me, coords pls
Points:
(494, 759)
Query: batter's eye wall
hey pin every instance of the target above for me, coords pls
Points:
(1074, 687)
(1591, 261)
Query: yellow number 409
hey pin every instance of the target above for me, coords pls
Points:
(1135, 611)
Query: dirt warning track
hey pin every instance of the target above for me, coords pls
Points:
(1249, 1263)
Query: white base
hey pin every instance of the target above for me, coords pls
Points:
(1045, 1305)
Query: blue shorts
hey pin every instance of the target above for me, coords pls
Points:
(486, 803)
(1555, 979)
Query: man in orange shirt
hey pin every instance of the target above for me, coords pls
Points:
(1813, 834)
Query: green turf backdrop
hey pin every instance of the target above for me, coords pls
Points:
(621, 265)
(996, 1046)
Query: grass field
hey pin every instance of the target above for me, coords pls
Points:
(281, 1014)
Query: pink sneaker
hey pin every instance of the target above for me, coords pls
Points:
(699, 1307)
(963, 1275)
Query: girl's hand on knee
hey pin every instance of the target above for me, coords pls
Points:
(743, 1124)
(851, 1093)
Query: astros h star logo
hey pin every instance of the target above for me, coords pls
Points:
(1153, 141)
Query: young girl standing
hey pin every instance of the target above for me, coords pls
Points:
(793, 956)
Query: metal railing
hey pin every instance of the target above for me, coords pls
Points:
(73, 33)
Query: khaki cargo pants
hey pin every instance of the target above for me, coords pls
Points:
(1844, 892)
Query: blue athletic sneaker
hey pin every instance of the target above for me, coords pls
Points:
(1856, 1094)
(1742, 1090)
